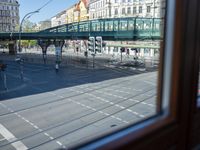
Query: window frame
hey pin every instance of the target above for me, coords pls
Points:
(174, 125)
(128, 10)
(148, 9)
(134, 10)
(140, 10)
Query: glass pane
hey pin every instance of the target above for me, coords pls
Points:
(93, 72)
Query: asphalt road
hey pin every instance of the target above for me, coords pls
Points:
(52, 110)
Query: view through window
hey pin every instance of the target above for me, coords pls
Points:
(80, 73)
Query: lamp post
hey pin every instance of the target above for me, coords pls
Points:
(20, 60)
(28, 15)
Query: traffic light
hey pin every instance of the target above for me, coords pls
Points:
(91, 44)
(98, 44)
(122, 49)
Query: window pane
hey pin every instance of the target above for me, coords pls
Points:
(69, 87)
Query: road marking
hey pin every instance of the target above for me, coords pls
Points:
(106, 114)
(121, 107)
(46, 134)
(129, 110)
(36, 127)
(19, 145)
(149, 82)
(40, 130)
(2, 139)
(3, 105)
(101, 112)
(10, 137)
(31, 123)
(125, 121)
(59, 143)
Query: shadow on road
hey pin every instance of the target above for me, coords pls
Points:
(40, 78)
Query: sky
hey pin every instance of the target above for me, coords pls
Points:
(50, 10)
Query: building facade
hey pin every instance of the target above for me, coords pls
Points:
(76, 13)
(42, 25)
(59, 19)
(70, 14)
(126, 8)
(83, 6)
(9, 15)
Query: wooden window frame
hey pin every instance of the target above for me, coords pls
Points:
(173, 128)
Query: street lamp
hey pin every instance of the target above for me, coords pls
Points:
(19, 60)
(28, 15)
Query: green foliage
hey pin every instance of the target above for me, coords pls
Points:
(28, 43)
(28, 26)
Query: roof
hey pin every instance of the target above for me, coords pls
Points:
(77, 6)
(86, 2)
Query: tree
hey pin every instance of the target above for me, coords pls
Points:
(28, 26)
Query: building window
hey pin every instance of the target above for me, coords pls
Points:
(129, 10)
(123, 11)
(140, 9)
(134, 10)
(148, 9)
(116, 11)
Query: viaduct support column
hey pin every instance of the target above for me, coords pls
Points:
(12, 46)
(44, 44)
(58, 49)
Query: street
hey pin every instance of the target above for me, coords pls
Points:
(50, 110)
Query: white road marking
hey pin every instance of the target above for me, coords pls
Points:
(10, 137)
(149, 82)
(101, 112)
(129, 110)
(19, 145)
(3, 105)
(35, 127)
(106, 114)
(122, 107)
(125, 121)
(2, 139)
(27, 121)
(40, 130)
(31, 123)
(46, 134)
(59, 143)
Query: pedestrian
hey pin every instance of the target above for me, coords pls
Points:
(56, 67)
